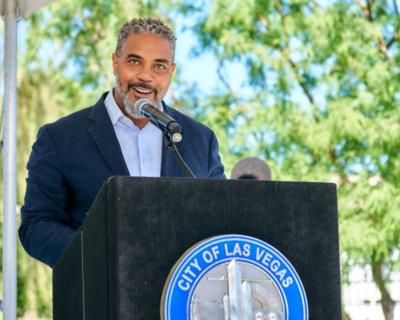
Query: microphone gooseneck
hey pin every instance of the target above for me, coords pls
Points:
(170, 128)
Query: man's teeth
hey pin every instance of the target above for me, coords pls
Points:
(143, 90)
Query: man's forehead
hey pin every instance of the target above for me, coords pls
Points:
(148, 44)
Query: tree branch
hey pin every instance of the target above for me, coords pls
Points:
(370, 4)
(396, 8)
(366, 9)
(222, 78)
(392, 40)
(386, 300)
(300, 80)
(332, 154)
(383, 48)
(292, 64)
(367, 12)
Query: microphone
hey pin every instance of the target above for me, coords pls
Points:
(163, 121)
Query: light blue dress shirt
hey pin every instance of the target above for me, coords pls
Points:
(141, 148)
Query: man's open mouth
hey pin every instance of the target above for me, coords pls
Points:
(143, 90)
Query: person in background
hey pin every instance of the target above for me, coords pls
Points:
(251, 169)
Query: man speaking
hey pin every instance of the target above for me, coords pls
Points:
(73, 156)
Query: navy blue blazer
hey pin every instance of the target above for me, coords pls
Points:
(71, 159)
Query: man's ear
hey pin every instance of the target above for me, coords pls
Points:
(114, 62)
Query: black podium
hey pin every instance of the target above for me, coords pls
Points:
(137, 229)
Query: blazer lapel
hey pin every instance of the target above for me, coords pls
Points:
(103, 134)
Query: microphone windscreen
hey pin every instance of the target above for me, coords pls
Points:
(139, 104)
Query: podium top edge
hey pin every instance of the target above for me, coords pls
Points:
(118, 179)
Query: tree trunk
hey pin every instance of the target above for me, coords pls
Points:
(345, 315)
(386, 300)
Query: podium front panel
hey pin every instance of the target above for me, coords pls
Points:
(139, 227)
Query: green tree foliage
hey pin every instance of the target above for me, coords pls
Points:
(319, 101)
(324, 82)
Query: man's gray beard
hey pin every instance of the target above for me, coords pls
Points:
(130, 107)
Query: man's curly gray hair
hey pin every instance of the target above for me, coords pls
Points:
(145, 25)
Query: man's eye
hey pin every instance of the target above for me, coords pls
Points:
(133, 61)
(160, 67)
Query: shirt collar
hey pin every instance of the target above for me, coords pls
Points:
(114, 111)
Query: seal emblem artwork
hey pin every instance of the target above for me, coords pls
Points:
(233, 277)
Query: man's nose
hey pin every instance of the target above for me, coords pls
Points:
(145, 74)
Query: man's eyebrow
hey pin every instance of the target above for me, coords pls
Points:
(162, 60)
(132, 55)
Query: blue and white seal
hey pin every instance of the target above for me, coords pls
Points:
(233, 277)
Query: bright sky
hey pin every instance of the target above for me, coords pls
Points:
(202, 69)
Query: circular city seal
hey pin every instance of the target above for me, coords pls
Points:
(233, 277)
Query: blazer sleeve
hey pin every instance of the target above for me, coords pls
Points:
(215, 166)
(45, 229)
